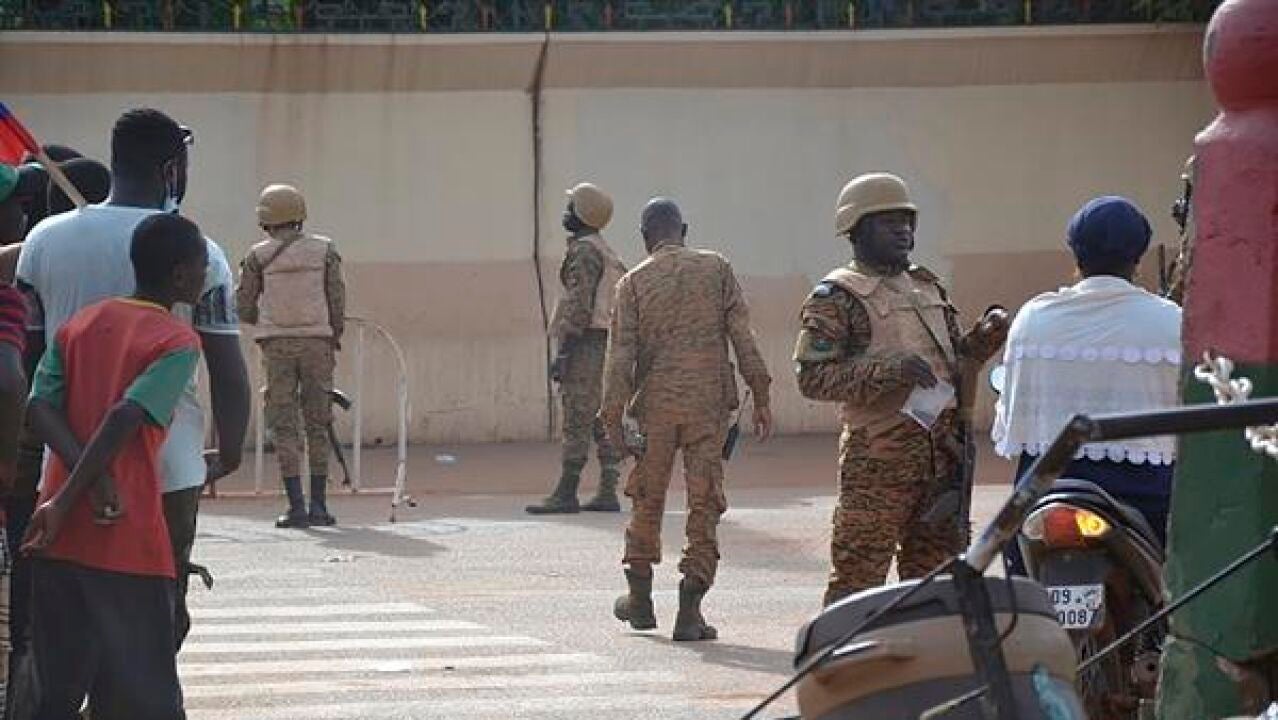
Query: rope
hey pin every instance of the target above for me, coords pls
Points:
(1217, 371)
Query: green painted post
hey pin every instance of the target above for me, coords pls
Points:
(1226, 495)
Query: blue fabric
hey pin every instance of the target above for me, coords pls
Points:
(1109, 228)
(1145, 487)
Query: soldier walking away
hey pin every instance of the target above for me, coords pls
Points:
(871, 333)
(589, 275)
(291, 288)
(669, 367)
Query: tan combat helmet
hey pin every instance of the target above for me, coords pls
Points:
(280, 205)
(591, 205)
(868, 194)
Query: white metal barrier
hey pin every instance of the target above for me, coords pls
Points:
(399, 493)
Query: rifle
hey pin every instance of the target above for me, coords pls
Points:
(560, 364)
(954, 503)
(734, 432)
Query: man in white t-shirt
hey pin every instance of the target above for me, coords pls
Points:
(79, 258)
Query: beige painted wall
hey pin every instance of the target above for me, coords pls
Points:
(415, 154)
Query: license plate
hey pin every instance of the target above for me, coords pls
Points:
(1078, 607)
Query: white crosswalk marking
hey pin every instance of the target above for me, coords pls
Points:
(309, 611)
(264, 660)
(329, 628)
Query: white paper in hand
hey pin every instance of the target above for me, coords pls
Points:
(925, 405)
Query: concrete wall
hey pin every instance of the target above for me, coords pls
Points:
(416, 156)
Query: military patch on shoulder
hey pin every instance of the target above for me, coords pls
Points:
(814, 349)
(823, 290)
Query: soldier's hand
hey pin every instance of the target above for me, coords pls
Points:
(762, 417)
(916, 371)
(995, 325)
(557, 369)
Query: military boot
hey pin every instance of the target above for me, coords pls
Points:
(689, 623)
(563, 500)
(635, 607)
(605, 499)
(295, 516)
(319, 506)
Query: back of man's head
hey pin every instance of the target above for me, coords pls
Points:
(161, 243)
(142, 141)
(90, 177)
(661, 222)
(56, 153)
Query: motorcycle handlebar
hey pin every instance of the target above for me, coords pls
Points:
(1083, 429)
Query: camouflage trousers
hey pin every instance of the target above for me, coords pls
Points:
(701, 444)
(581, 392)
(886, 484)
(299, 384)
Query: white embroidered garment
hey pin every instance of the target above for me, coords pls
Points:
(1103, 345)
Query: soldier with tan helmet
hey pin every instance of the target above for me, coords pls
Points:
(589, 274)
(291, 288)
(872, 332)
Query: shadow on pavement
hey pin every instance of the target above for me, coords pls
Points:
(735, 657)
(373, 541)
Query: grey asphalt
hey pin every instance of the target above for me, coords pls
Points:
(467, 607)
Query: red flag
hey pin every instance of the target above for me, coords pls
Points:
(15, 141)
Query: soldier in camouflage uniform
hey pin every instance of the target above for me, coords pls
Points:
(872, 332)
(291, 288)
(669, 366)
(589, 275)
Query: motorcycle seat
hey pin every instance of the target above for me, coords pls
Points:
(1095, 497)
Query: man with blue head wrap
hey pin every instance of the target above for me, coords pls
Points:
(1103, 345)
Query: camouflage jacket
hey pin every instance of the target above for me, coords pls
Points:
(673, 319)
(832, 362)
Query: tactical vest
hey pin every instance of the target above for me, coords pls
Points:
(907, 316)
(613, 271)
(294, 300)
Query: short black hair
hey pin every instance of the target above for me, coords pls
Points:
(143, 140)
(90, 177)
(56, 153)
(160, 243)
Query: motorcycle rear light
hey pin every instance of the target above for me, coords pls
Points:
(1064, 526)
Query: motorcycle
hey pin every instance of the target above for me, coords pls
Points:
(1101, 564)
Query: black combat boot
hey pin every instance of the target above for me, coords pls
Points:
(690, 625)
(563, 500)
(635, 607)
(605, 499)
(295, 516)
(319, 507)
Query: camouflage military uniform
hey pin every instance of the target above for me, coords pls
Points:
(891, 470)
(668, 362)
(583, 344)
(298, 357)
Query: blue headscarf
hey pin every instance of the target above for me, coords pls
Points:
(1109, 229)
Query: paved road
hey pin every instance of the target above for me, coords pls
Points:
(469, 608)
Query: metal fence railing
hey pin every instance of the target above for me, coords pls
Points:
(460, 16)
(362, 327)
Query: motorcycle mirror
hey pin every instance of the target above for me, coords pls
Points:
(998, 378)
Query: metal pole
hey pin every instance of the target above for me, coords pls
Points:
(983, 642)
(357, 446)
